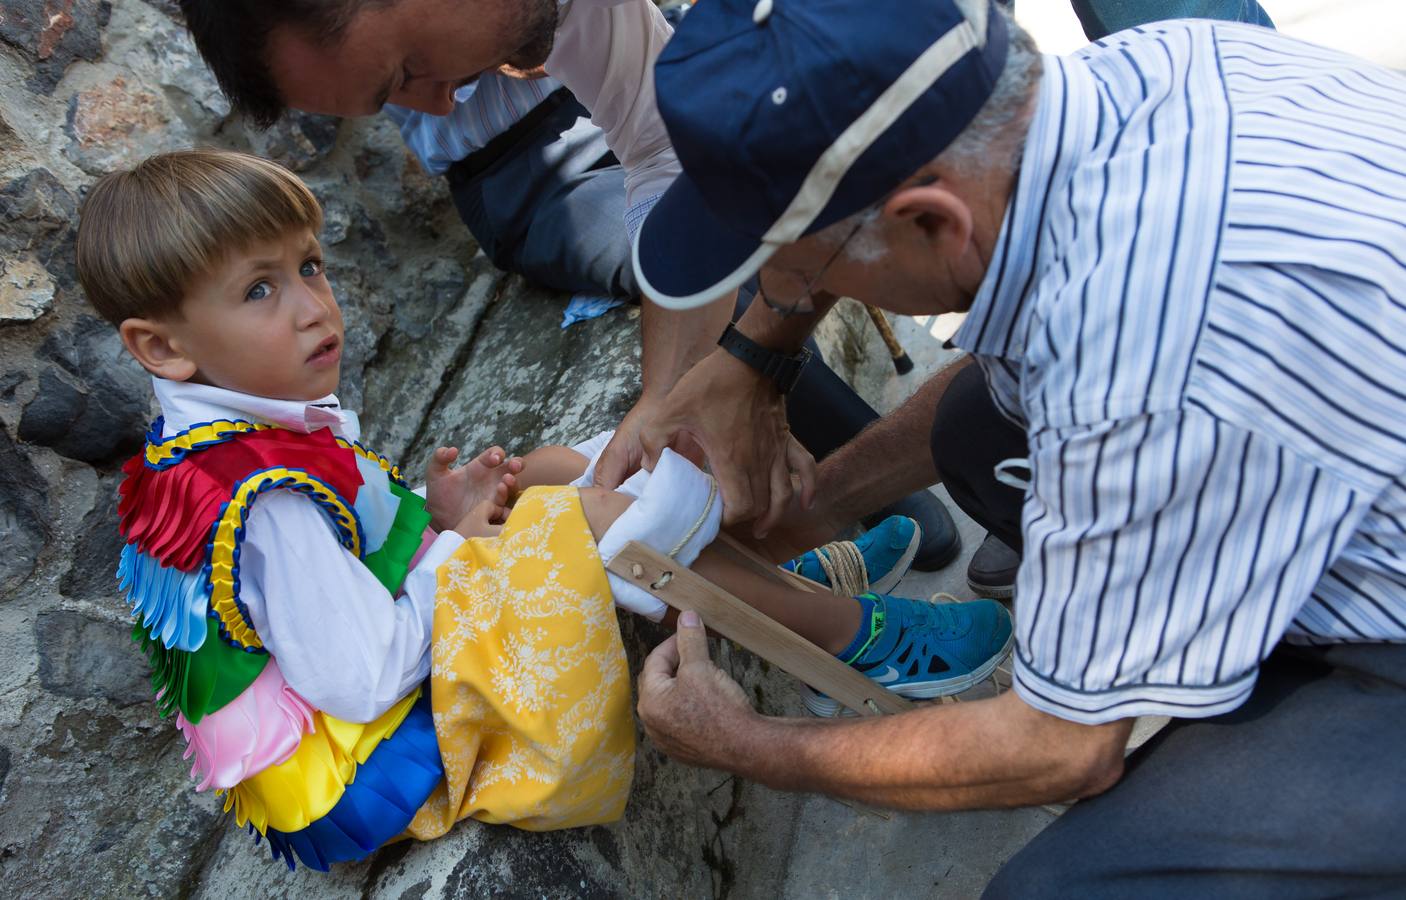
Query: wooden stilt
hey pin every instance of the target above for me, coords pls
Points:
(683, 589)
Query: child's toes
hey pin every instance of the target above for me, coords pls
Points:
(440, 461)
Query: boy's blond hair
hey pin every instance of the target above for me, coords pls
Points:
(145, 234)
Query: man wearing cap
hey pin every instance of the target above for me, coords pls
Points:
(1182, 258)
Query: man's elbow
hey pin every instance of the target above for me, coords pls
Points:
(1089, 758)
(1096, 769)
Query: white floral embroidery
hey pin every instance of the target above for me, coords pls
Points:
(559, 741)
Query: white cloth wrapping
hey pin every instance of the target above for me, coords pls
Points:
(677, 511)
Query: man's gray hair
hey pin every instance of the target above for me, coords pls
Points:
(994, 140)
(996, 137)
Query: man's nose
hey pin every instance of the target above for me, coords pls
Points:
(424, 95)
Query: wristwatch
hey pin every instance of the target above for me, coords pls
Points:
(782, 369)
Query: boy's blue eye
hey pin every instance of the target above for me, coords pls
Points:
(310, 268)
(259, 291)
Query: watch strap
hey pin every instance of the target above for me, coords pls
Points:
(783, 369)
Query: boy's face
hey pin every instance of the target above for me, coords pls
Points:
(262, 322)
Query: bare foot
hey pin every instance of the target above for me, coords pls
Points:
(451, 493)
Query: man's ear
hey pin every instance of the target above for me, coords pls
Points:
(943, 219)
(151, 343)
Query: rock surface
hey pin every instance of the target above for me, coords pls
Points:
(441, 348)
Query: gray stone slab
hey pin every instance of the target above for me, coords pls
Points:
(854, 853)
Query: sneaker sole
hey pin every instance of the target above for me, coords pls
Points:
(828, 708)
(900, 568)
(994, 591)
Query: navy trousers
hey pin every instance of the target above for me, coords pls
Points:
(1300, 793)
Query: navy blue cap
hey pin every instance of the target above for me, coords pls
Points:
(790, 115)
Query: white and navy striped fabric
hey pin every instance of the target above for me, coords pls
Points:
(482, 110)
(1197, 309)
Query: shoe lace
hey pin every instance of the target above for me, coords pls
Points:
(942, 610)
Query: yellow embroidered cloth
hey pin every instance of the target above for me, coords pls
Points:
(529, 684)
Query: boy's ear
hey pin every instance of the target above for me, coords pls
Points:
(151, 343)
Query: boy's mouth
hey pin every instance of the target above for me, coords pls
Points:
(328, 353)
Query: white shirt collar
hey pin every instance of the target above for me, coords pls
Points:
(184, 404)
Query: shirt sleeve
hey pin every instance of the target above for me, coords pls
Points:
(1165, 555)
(605, 52)
(340, 639)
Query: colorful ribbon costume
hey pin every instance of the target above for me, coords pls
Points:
(531, 721)
(314, 785)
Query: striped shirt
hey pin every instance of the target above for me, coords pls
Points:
(1197, 309)
(482, 111)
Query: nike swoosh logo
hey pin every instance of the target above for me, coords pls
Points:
(888, 676)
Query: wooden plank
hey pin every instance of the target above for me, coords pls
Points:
(683, 589)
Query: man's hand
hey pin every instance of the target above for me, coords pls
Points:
(624, 455)
(690, 708)
(452, 494)
(801, 528)
(738, 422)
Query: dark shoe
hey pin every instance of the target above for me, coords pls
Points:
(991, 573)
(940, 544)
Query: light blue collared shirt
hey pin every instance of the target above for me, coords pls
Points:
(482, 111)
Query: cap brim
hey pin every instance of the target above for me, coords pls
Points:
(684, 256)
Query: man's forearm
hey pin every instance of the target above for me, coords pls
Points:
(676, 339)
(888, 460)
(787, 333)
(979, 754)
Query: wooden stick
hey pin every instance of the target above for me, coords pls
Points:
(901, 363)
(683, 589)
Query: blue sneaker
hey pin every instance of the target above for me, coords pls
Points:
(876, 561)
(925, 650)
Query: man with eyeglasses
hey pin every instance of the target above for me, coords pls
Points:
(1182, 259)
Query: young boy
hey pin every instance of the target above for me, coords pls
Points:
(293, 601)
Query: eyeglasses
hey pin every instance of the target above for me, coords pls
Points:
(788, 293)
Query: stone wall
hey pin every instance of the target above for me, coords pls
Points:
(94, 798)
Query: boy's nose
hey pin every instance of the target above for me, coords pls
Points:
(312, 309)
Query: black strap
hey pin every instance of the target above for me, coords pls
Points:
(773, 364)
(482, 159)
